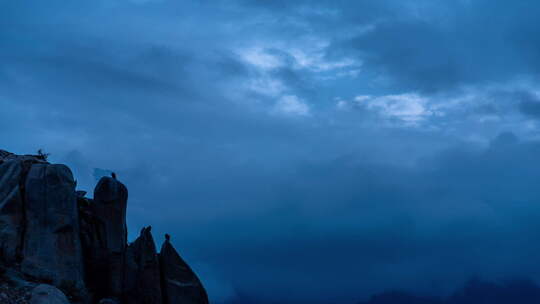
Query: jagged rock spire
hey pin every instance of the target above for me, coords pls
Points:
(180, 284)
(142, 272)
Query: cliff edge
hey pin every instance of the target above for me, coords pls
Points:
(58, 246)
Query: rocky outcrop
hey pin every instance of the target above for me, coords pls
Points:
(105, 236)
(142, 284)
(110, 202)
(11, 211)
(51, 233)
(179, 283)
(52, 248)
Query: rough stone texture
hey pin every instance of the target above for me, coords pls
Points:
(11, 210)
(95, 253)
(180, 284)
(47, 294)
(142, 276)
(108, 301)
(14, 289)
(109, 208)
(13, 171)
(52, 249)
(7, 156)
(110, 202)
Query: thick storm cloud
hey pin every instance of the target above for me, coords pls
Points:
(296, 151)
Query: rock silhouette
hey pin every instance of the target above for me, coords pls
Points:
(50, 233)
(52, 247)
(178, 280)
(142, 283)
(109, 207)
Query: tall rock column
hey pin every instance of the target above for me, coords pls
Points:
(52, 248)
(179, 283)
(109, 206)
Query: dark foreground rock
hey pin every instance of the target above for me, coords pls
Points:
(11, 210)
(47, 294)
(108, 301)
(142, 284)
(104, 236)
(58, 246)
(52, 248)
(179, 283)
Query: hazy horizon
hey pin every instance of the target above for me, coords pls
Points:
(296, 151)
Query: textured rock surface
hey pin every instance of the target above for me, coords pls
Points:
(179, 283)
(52, 249)
(110, 202)
(13, 288)
(6, 156)
(47, 294)
(94, 249)
(109, 207)
(142, 283)
(13, 171)
(11, 210)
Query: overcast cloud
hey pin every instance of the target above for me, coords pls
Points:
(295, 151)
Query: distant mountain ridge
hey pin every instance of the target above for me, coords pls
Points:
(54, 238)
(475, 291)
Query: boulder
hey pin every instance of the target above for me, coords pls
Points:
(52, 249)
(142, 283)
(47, 294)
(11, 211)
(180, 284)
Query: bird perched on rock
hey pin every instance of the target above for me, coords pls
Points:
(113, 175)
(167, 237)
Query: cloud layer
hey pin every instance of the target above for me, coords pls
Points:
(296, 151)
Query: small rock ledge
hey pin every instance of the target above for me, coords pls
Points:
(58, 246)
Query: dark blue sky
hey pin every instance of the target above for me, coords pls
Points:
(296, 150)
